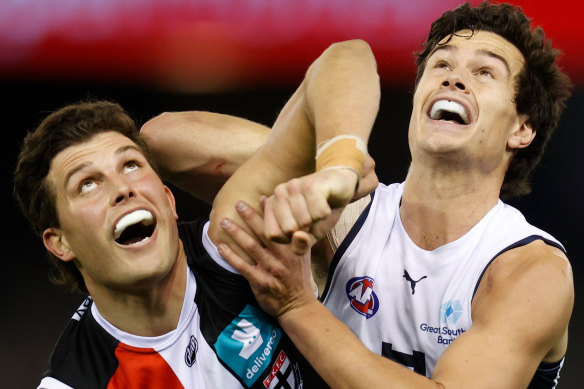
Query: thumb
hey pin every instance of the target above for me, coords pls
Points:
(301, 242)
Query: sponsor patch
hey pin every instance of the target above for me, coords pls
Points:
(450, 311)
(247, 344)
(361, 296)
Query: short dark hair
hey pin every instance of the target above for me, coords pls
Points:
(66, 127)
(542, 88)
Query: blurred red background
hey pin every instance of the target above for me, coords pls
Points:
(217, 45)
(242, 57)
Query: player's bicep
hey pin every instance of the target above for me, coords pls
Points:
(194, 146)
(520, 312)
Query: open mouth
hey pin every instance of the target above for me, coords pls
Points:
(450, 111)
(134, 227)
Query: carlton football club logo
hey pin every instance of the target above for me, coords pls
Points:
(362, 297)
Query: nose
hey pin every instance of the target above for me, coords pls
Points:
(454, 81)
(123, 191)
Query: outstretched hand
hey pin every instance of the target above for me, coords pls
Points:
(280, 280)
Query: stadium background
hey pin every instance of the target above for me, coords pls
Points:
(241, 57)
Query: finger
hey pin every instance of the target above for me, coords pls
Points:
(281, 203)
(317, 204)
(245, 241)
(301, 242)
(322, 227)
(272, 228)
(263, 199)
(298, 204)
(250, 272)
(253, 220)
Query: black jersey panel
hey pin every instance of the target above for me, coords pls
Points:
(247, 341)
(85, 353)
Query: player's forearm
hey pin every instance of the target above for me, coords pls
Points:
(342, 91)
(339, 357)
(198, 151)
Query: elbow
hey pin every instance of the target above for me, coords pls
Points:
(354, 48)
(158, 135)
(153, 129)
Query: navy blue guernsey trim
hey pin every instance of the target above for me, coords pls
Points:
(547, 375)
(345, 245)
(522, 242)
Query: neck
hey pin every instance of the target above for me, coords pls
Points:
(149, 312)
(439, 207)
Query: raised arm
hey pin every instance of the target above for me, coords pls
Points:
(198, 151)
(338, 96)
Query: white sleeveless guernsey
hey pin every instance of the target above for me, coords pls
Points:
(406, 303)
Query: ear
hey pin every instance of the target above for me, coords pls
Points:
(522, 136)
(56, 243)
(171, 200)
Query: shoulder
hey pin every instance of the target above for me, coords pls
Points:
(524, 283)
(534, 262)
(84, 355)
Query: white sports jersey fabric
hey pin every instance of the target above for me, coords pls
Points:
(406, 303)
(208, 373)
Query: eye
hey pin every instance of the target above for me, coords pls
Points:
(130, 166)
(485, 72)
(87, 185)
(441, 64)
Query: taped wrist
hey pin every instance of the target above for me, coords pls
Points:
(342, 151)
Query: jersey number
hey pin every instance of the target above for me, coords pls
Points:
(417, 360)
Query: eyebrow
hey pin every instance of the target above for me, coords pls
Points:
(480, 52)
(489, 53)
(78, 168)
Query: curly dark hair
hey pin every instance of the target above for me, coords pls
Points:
(542, 88)
(66, 127)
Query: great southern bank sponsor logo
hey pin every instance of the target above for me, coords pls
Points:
(450, 312)
(361, 296)
(246, 345)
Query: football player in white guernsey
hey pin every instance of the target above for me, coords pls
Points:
(85, 182)
(437, 274)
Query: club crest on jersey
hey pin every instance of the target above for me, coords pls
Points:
(191, 352)
(361, 296)
(284, 374)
